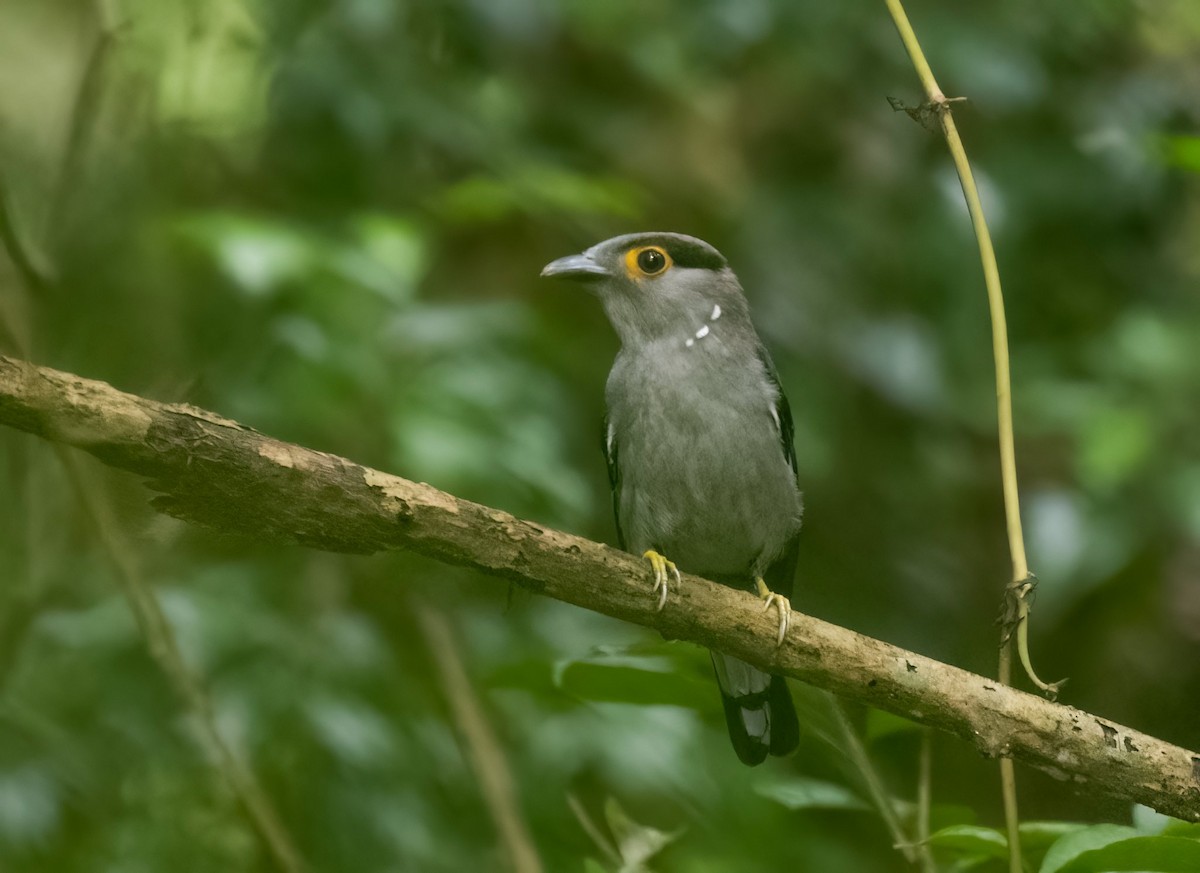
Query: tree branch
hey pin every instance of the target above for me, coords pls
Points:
(222, 474)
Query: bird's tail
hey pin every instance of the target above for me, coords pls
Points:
(758, 710)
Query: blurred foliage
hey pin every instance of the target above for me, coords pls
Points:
(326, 219)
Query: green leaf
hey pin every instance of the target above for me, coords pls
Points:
(257, 255)
(591, 865)
(1143, 854)
(1177, 828)
(636, 843)
(1114, 443)
(1038, 836)
(614, 674)
(1073, 845)
(388, 256)
(1183, 152)
(630, 685)
(804, 793)
(972, 841)
(30, 805)
(527, 674)
(356, 734)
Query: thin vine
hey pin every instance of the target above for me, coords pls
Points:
(1015, 616)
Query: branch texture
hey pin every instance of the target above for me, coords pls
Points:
(212, 471)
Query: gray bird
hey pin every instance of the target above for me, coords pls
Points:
(698, 438)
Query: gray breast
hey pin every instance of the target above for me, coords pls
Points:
(704, 479)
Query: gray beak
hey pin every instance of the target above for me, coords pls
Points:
(578, 267)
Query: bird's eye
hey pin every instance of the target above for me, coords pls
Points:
(650, 260)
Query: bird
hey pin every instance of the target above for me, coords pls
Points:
(698, 439)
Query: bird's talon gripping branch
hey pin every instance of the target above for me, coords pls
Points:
(662, 567)
(770, 598)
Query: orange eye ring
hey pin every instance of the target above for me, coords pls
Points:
(647, 261)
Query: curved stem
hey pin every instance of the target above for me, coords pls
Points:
(991, 276)
(483, 749)
(853, 748)
(1008, 462)
(1008, 779)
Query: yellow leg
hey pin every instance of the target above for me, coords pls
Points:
(662, 567)
(770, 598)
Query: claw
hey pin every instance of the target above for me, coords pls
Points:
(770, 598)
(662, 567)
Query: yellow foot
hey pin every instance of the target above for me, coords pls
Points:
(661, 569)
(770, 598)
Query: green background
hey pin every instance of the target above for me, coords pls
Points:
(326, 220)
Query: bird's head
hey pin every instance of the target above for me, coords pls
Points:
(655, 286)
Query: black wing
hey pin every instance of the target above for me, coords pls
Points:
(783, 411)
(608, 442)
(782, 572)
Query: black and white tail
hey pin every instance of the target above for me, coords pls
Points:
(758, 710)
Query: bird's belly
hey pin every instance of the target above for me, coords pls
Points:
(713, 505)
